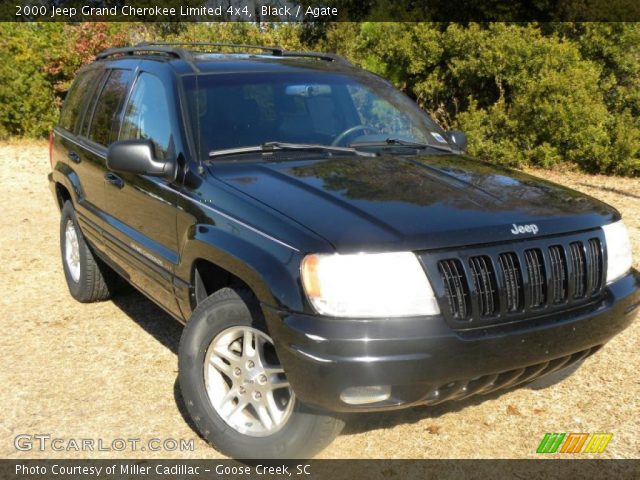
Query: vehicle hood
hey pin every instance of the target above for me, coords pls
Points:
(396, 202)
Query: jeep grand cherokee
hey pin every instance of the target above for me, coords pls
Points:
(328, 246)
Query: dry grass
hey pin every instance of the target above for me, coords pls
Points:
(108, 370)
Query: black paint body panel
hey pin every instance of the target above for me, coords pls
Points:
(258, 219)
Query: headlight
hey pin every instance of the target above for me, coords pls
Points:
(368, 285)
(618, 250)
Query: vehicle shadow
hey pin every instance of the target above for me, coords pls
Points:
(167, 331)
(149, 316)
(182, 408)
(161, 326)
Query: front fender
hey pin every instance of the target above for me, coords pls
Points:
(269, 269)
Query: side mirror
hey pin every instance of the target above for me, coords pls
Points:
(459, 139)
(137, 156)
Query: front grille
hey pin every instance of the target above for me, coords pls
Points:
(486, 286)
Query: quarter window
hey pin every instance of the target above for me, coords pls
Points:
(147, 115)
(104, 125)
(80, 90)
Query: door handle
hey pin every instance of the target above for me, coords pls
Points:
(114, 179)
(74, 157)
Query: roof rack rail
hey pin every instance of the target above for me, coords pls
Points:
(330, 57)
(171, 48)
(150, 48)
(131, 50)
(277, 51)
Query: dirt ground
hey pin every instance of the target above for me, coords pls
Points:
(108, 370)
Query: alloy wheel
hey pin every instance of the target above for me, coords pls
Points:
(72, 251)
(245, 383)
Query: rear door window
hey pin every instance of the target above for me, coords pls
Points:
(105, 121)
(79, 92)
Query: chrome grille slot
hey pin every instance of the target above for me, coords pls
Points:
(537, 280)
(484, 280)
(579, 274)
(594, 266)
(456, 288)
(512, 281)
(558, 273)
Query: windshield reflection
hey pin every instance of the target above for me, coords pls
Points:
(242, 109)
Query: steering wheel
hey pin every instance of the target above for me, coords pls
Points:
(341, 136)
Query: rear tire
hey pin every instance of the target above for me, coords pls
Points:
(224, 318)
(88, 278)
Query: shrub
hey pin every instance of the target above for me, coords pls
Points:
(27, 103)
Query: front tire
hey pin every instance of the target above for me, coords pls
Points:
(235, 389)
(88, 278)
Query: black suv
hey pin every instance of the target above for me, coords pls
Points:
(328, 246)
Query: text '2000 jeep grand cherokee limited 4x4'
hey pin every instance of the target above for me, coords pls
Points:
(329, 248)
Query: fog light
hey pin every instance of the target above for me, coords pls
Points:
(364, 395)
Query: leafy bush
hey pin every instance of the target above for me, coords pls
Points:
(27, 103)
(37, 64)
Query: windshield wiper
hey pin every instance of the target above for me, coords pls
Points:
(269, 147)
(402, 143)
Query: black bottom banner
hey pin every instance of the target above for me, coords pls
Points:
(137, 469)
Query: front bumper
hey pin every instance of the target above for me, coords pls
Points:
(424, 361)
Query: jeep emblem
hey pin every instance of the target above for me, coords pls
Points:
(518, 229)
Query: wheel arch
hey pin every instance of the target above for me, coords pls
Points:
(67, 185)
(213, 259)
(208, 277)
(62, 195)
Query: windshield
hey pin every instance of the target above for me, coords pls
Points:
(246, 109)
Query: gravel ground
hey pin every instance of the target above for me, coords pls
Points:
(109, 370)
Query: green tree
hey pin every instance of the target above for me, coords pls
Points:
(27, 101)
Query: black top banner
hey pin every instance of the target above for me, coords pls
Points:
(322, 11)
